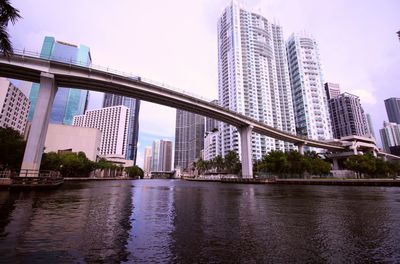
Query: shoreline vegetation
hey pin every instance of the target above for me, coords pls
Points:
(275, 166)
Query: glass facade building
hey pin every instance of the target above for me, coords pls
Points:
(189, 138)
(393, 109)
(133, 126)
(68, 101)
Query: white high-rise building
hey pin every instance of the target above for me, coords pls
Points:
(309, 98)
(253, 77)
(113, 124)
(211, 145)
(14, 106)
(390, 135)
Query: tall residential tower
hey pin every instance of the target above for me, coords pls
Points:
(253, 77)
(309, 98)
(347, 116)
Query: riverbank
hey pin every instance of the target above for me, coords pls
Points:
(336, 182)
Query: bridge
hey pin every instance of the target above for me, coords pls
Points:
(56, 72)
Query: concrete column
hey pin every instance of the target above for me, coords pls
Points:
(335, 164)
(245, 143)
(37, 135)
(301, 148)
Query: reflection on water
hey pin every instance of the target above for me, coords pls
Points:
(148, 221)
(79, 223)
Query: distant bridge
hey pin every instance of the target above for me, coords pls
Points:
(54, 72)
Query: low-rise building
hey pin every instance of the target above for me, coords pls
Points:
(74, 139)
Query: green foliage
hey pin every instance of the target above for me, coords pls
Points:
(51, 161)
(229, 164)
(134, 172)
(232, 162)
(218, 163)
(368, 166)
(201, 165)
(69, 164)
(275, 162)
(292, 164)
(103, 164)
(12, 147)
(7, 14)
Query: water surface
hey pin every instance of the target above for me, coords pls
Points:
(173, 221)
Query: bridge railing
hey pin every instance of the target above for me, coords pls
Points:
(90, 65)
(30, 173)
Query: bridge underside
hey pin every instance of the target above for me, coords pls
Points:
(51, 74)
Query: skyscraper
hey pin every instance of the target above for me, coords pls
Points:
(390, 135)
(253, 77)
(113, 124)
(370, 125)
(211, 124)
(347, 116)
(189, 138)
(147, 160)
(133, 126)
(332, 90)
(161, 156)
(309, 99)
(68, 101)
(393, 109)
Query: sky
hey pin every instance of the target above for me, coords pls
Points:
(175, 42)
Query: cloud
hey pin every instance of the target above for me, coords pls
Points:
(175, 42)
(366, 97)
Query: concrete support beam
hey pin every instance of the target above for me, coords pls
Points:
(335, 164)
(301, 148)
(37, 134)
(245, 143)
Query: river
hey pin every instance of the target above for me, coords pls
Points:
(174, 221)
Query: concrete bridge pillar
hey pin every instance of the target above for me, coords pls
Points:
(245, 143)
(37, 134)
(301, 148)
(335, 164)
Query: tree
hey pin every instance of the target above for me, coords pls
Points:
(232, 162)
(361, 164)
(7, 13)
(51, 161)
(218, 163)
(69, 164)
(201, 165)
(134, 172)
(12, 148)
(297, 163)
(318, 166)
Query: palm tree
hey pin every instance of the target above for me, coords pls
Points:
(7, 13)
